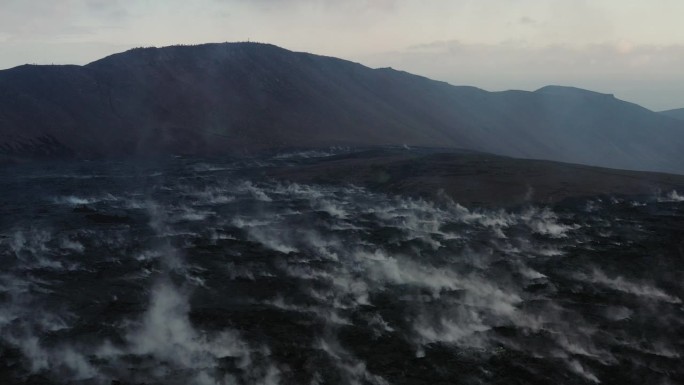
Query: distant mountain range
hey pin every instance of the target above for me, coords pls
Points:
(242, 98)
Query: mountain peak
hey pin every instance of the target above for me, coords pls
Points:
(202, 50)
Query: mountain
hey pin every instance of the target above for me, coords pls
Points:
(676, 113)
(239, 98)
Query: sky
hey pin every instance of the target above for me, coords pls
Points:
(631, 48)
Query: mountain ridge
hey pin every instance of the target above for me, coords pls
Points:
(242, 98)
(677, 113)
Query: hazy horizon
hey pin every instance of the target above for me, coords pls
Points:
(634, 51)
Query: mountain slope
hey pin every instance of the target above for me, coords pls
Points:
(676, 113)
(247, 97)
(475, 179)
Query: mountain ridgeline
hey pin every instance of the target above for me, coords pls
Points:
(676, 113)
(244, 98)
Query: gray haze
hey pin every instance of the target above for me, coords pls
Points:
(629, 48)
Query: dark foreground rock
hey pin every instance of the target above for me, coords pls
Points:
(224, 275)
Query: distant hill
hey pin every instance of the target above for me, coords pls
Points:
(246, 97)
(473, 178)
(676, 113)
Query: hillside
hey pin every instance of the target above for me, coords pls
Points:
(476, 179)
(676, 113)
(242, 98)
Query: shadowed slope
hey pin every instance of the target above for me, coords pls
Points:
(676, 113)
(247, 97)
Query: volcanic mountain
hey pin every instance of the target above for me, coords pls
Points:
(243, 98)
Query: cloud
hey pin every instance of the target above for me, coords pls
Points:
(51, 20)
(527, 20)
(367, 4)
(110, 9)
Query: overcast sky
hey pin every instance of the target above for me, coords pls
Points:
(632, 48)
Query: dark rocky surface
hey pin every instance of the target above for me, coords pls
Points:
(207, 271)
(474, 178)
